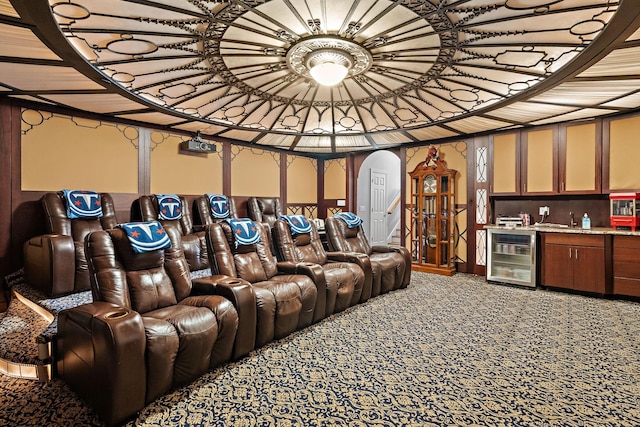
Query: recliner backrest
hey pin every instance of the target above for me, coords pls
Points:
(150, 211)
(138, 281)
(195, 248)
(253, 263)
(202, 211)
(264, 209)
(303, 247)
(57, 222)
(344, 239)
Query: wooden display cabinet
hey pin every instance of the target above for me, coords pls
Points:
(433, 216)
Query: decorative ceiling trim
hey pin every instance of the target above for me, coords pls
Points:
(433, 63)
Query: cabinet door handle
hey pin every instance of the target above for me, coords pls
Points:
(570, 250)
(576, 253)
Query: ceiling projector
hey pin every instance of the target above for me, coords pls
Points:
(198, 145)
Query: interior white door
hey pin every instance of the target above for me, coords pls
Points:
(378, 218)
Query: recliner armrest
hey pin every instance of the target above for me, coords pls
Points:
(240, 293)
(101, 356)
(381, 248)
(49, 264)
(316, 274)
(365, 264)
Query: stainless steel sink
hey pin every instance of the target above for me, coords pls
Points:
(550, 225)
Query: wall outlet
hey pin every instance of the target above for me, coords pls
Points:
(544, 210)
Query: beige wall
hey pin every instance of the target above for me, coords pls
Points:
(62, 152)
(335, 179)
(302, 180)
(254, 172)
(186, 173)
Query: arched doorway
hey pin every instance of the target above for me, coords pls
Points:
(379, 195)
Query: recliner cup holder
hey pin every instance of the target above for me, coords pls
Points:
(116, 314)
(233, 282)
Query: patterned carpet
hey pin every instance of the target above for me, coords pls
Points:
(444, 352)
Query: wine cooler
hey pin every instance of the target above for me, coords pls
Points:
(511, 256)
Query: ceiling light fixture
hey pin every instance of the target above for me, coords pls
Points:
(329, 66)
(328, 60)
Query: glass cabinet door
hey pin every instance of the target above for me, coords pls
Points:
(432, 218)
(416, 219)
(430, 231)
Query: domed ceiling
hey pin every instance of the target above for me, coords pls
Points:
(419, 70)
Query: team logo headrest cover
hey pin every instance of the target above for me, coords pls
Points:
(350, 218)
(219, 205)
(299, 224)
(245, 231)
(146, 236)
(170, 207)
(82, 204)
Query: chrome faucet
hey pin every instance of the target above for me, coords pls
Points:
(573, 222)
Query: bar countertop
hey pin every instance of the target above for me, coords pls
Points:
(562, 228)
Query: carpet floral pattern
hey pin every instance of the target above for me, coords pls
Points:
(446, 351)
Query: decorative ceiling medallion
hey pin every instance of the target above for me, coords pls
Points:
(301, 55)
(412, 64)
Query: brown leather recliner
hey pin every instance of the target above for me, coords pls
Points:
(391, 265)
(55, 263)
(202, 215)
(286, 295)
(193, 243)
(345, 278)
(145, 333)
(264, 209)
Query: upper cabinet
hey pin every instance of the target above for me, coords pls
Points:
(539, 161)
(621, 154)
(505, 164)
(560, 159)
(580, 158)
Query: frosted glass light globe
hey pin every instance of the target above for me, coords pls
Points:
(328, 73)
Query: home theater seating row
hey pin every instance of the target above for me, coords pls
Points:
(154, 325)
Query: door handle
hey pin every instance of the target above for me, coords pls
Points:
(570, 253)
(576, 253)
